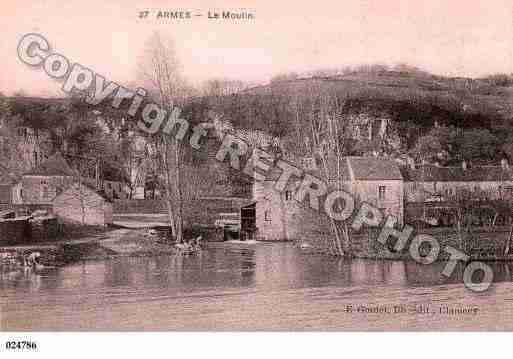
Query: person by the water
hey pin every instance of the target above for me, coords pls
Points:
(32, 259)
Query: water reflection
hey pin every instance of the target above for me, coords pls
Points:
(262, 266)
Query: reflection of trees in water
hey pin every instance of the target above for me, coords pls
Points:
(119, 272)
(319, 271)
(365, 272)
(502, 271)
(266, 266)
(31, 279)
(284, 265)
(420, 275)
(394, 273)
(431, 274)
(216, 267)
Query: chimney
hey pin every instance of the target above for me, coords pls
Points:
(504, 164)
(464, 165)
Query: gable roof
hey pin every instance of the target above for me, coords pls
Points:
(55, 165)
(90, 187)
(335, 171)
(373, 168)
(433, 173)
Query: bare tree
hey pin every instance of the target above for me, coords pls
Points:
(322, 131)
(161, 73)
(219, 87)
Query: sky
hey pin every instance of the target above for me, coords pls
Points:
(468, 38)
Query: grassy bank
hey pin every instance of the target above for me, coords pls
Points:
(481, 244)
(484, 244)
(96, 245)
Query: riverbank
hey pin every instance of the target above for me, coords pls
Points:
(95, 244)
(483, 244)
(103, 245)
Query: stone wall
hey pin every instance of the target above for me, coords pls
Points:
(25, 230)
(200, 211)
(145, 206)
(205, 211)
(27, 209)
(44, 228)
(14, 231)
(280, 217)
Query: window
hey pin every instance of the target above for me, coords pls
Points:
(267, 216)
(381, 192)
(288, 195)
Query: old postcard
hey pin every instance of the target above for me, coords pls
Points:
(256, 166)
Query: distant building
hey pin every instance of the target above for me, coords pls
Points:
(431, 182)
(82, 203)
(44, 182)
(41, 184)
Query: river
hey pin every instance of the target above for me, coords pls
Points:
(261, 286)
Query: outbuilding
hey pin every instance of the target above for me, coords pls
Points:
(83, 204)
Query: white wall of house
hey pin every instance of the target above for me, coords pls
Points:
(391, 201)
(17, 193)
(413, 190)
(280, 217)
(81, 204)
(272, 212)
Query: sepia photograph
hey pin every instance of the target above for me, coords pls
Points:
(257, 166)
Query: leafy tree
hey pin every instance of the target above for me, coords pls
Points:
(478, 145)
(427, 148)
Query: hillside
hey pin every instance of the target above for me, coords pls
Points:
(414, 102)
(455, 116)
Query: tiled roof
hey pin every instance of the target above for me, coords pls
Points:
(90, 187)
(55, 165)
(433, 173)
(335, 171)
(373, 168)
